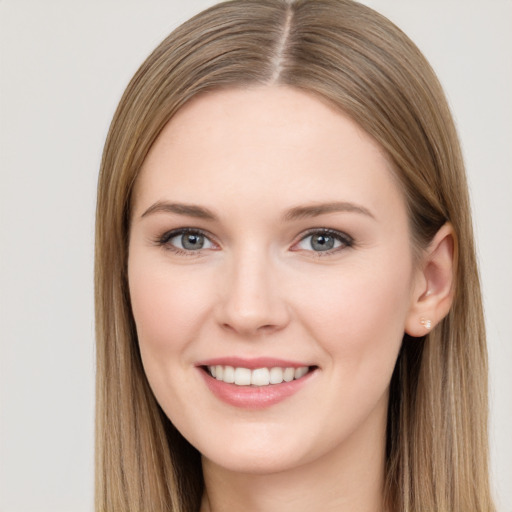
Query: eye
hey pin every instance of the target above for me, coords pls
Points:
(186, 240)
(324, 240)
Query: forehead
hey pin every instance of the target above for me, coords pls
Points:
(265, 145)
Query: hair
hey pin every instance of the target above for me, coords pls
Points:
(358, 61)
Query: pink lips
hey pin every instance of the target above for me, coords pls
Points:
(252, 397)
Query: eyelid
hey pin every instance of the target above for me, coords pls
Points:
(164, 239)
(344, 238)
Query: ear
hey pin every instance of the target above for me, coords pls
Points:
(433, 291)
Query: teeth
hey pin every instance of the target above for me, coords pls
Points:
(288, 374)
(276, 375)
(242, 376)
(257, 377)
(229, 374)
(260, 377)
(300, 372)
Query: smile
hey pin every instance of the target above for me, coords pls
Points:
(258, 377)
(255, 384)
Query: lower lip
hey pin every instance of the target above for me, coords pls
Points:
(254, 397)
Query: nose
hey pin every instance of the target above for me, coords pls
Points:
(252, 301)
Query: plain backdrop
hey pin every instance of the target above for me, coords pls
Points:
(64, 65)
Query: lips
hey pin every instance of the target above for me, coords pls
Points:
(254, 383)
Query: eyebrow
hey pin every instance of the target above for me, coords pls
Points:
(190, 210)
(315, 210)
(296, 213)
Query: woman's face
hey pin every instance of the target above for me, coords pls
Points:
(269, 238)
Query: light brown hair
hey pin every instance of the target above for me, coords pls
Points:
(353, 58)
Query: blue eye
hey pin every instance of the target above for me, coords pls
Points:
(186, 240)
(324, 241)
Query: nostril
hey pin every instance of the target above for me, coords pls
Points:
(267, 328)
(249, 329)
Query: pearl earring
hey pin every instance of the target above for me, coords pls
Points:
(426, 323)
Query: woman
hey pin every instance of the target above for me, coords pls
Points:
(288, 307)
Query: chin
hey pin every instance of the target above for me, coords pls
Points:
(252, 463)
(259, 451)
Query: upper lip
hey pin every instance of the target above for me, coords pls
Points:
(252, 363)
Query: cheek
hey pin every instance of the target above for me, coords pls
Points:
(359, 326)
(360, 320)
(168, 307)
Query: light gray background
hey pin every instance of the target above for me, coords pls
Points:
(64, 65)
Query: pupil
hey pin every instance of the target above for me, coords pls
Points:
(322, 242)
(192, 241)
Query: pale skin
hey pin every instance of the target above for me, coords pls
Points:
(267, 170)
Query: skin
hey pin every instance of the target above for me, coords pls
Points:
(258, 288)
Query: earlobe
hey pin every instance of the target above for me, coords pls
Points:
(433, 293)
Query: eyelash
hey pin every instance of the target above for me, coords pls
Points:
(346, 240)
(164, 241)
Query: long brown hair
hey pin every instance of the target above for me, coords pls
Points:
(354, 58)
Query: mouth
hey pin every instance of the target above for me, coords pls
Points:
(257, 377)
(255, 384)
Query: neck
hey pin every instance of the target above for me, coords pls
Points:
(348, 478)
